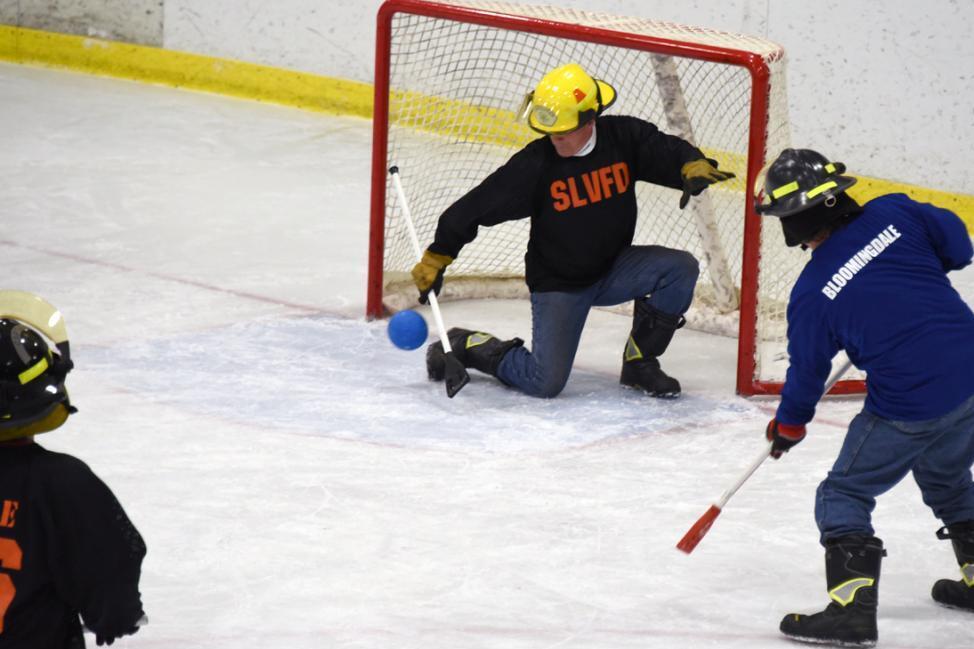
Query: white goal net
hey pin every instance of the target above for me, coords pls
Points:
(445, 114)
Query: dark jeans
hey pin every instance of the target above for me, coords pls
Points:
(667, 276)
(878, 453)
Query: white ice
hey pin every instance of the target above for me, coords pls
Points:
(298, 481)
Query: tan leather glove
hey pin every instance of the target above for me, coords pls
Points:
(428, 274)
(698, 175)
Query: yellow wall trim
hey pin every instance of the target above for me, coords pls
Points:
(308, 91)
(960, 204)
(184, 70)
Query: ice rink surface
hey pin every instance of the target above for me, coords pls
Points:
(298, 481)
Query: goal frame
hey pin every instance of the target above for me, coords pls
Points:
(746, 382)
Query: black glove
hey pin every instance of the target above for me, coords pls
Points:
(698, 175)
(109, 638)
(428, 274)
(117, 629)
(783, 436)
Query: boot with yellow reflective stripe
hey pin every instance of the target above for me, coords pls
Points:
(852, 574)
(475, 349)
(652, 331)
(959, 593)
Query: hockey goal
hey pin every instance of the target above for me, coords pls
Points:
(448, 81)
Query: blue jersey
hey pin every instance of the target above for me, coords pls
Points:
(878, 289)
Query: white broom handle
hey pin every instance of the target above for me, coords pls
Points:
(766, 451)
(404, 206)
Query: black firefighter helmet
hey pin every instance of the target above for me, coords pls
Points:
(33, 398)
(806, 191)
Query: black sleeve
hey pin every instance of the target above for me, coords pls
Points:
(660, 156)
(505, 195)
(96, 552)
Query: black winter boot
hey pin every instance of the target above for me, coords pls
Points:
(652, 331)
(475, 349)
(852, 574)
(960, 593)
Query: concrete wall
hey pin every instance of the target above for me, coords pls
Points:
(131, 21)
(887, 87)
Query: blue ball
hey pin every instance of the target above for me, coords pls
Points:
(407, 330)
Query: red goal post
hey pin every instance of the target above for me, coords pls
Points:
(448, 80)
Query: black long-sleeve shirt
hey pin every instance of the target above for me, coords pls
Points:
(66, 548)
(582, 209)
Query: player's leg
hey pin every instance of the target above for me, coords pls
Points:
(661, 282)
(557, 321)
(943, 474)
(875, 456)
(475, 349)
(664, 276)
(958, 593)
(852, 566)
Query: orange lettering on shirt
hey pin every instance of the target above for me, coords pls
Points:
(599, 184)
(606, 179)
(620, 172)
(577, 201)
(561, 198)
(592, 186)
(11, 558)
(8, 515)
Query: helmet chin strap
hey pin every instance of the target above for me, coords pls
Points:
(52, 420)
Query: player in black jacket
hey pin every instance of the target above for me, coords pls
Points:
(577, 187)
(67, 549)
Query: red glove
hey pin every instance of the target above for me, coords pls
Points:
(783, 436)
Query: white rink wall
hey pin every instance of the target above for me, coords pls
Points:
(887, 87)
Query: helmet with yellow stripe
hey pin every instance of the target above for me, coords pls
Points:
(799, 179)
(34, 359)
(566, 99)
(806, 192)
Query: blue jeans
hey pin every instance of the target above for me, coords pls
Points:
(877, 453)
(668, 276)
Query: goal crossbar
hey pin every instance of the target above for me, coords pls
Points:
(492, 124)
